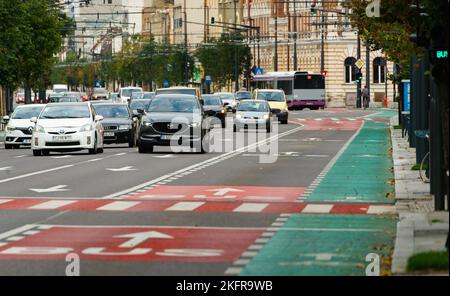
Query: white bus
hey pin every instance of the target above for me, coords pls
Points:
(302, 89)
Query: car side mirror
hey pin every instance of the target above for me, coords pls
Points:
(98, 118)
(5, 119)
(33, 119)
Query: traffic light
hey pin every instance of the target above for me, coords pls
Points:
(313, 8)
(213, 21)
(358, 77)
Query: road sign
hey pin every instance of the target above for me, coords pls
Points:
(166, 83)
(259, 71)
(359, 63)
(208, 79)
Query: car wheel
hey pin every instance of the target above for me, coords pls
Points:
(132, 142)
(224, 124)
(94, 150)
(100, 150)
(234, 128)
(144, 148)
(37, 152)
(284, 121)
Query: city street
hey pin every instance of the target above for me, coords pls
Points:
(319, 209)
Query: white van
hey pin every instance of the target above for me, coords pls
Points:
(126, 92)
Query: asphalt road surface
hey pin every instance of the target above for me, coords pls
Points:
(125, 213)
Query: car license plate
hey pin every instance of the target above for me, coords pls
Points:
(62, 138)
(27, 141)
(166, 137)
(109, 134)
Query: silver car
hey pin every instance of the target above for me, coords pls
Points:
(253, 114)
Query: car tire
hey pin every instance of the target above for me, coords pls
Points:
(94, 150)
(285, 121)
(37, 152)
(224, 124)
(145, 149)
(100, 150)
(132, 142)
(234, 128)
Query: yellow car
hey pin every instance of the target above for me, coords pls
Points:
(277, 102)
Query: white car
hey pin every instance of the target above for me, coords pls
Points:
(126, 93)
(19, 128)
(253, 114)
(228, 99)
(67, 127)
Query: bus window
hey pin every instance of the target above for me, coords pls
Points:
(286, 86)
(309, 82)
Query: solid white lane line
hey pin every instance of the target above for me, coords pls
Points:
(185, 206)
(16, 231)
(118, 206)
(52, 204)
(251, 207)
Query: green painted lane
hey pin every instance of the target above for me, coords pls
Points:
(363, 173)
(324, 245)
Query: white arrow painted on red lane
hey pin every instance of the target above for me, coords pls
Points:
(59, 188)
(140, 237)
(124, 169)
(224, 191)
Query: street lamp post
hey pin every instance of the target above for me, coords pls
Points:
(295, 37)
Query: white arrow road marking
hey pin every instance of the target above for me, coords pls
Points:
(224, 191)
(59, 188)
(140, 237)
(124, 169)
(164, 156)
(6, 169)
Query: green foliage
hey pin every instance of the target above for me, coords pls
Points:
(428, 260)
(218, 57)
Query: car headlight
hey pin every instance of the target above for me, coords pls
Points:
(10, 128)
(266, 116)
(146, 123)
(86, 128)
(40, 129)
(238, 116)
(124, 127)
(194, 124)
(222, 111)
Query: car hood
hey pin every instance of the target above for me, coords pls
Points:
(175, 117)
(108, 121)
(64, 123)
(252, 114)
(22, 123)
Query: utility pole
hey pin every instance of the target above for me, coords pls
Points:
(236, 54)
(275, 62)
(358, 84)
(368, 71)
(186, 78)
(295, 37)
(322, 42)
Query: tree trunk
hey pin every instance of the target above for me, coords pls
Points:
(27, 89)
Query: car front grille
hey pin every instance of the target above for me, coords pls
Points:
(25, 130)
(57, 133)
(169, 128)
(61, 144)
(110, 127)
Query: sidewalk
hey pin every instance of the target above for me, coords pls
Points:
(420, 228)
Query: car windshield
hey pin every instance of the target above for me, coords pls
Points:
(243, 95)
(65, 111)
(148, 96)
(112, 111)
(174, 104)
(100, 91)
(64, 99)
(272, 96)
(226, 96)
(177, 92)
(252, 106)
(27, 113)
(139, 104)
(129, 92)
(212, 101)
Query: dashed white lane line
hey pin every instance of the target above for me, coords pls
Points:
(185, 206)
(16, 231)
(251, 207)
(52, 204)
(118, 206)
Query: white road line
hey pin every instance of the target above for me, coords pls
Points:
(2, 201)
(16, 231)
(118, 206)
(381, 210)
(208, 162)
(14, 238)
(52, 204)
(185, 206)
(251, 207)
(317, 209)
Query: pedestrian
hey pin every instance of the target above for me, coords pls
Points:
(366, 97)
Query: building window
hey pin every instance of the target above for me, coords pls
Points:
(379, 70)
(350, 69)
